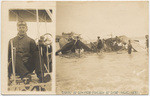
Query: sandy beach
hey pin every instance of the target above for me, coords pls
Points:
(103, 73)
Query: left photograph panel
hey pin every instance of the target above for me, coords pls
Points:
(27, 47)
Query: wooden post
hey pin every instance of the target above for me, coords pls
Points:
(45, 24)
(13, 63)
(47, 53)
(37, 20)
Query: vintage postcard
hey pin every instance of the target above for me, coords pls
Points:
(102, 48)
(28, 37)
(75, 47)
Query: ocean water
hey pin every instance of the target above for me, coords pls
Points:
(116, 73)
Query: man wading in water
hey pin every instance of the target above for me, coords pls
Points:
(147, 43)
(129, 47)
(99, 44)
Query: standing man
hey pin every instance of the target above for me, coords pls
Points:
(27, 55)
(99, 44)
(147, 42)
(129, 47)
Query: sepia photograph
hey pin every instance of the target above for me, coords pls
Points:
(28, 32)
(102, 48)
(75, 47)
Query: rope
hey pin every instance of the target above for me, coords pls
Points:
(13, 50)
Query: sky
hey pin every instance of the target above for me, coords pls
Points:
(92, 19)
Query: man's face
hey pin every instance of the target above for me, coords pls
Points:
(22, 29)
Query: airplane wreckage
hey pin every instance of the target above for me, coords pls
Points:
(69, 42)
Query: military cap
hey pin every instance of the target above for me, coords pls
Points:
(21, 23)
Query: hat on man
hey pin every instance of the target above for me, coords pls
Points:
(21, 23)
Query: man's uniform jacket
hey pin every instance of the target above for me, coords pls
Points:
(27, 56)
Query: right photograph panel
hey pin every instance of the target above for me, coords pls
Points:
(102, 48)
